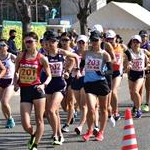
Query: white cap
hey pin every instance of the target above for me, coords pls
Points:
(97, 27)
(110, 34)
(136, 37)
(82, 38)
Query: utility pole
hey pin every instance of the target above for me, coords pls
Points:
(1, 7)
(36, 10)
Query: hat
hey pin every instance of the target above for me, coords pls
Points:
(82, 38)
(143, 32)
(97, 27)
(110, 34)
(95, 35)
(136, 37)
(48, 35)
(3, 43)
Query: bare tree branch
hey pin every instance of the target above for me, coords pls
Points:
(76, 4)
(83, 12)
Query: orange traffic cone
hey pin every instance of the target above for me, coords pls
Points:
(129, 141)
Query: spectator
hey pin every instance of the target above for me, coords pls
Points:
(11, 43)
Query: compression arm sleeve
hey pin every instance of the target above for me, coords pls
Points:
(128, 55)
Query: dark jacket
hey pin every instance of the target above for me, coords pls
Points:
(12, 46)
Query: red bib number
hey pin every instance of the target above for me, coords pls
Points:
(28, 75)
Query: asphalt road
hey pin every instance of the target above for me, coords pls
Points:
(16, 138)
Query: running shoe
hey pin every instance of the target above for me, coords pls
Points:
(133, 109)
(31, 141)
(56, 141)
(112, 121)
(138, 114)
(87, 136)
(145, 107)
(95, 130)
(99, 136)
(33, 147)
(78, 130)
(65, 128)
(10, 123)
(61, 140)
(117, 117)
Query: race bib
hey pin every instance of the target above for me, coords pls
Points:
(28, 75)
(118, 58)
(7, 71)
(137, 64)
(93, 64)
(56, 69)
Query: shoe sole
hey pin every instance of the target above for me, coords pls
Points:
(97, 139)
(138, 117)
(145, 111)
(85, 139)
(9, 127)
(64, 131)
(60, 143)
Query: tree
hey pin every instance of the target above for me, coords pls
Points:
(23, 8)
(84, 11)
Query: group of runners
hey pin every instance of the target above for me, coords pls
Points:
(78, 73)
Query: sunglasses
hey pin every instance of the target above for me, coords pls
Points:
(65, 40)
(2, 45)
(29, 41)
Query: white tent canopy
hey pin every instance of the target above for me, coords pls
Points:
(125, 18)
(121, 15)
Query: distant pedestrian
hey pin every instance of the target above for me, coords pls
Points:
(11, 43)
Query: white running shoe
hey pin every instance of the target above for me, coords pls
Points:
(78, 130)
(112, 121)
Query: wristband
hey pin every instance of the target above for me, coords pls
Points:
(77, 69)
